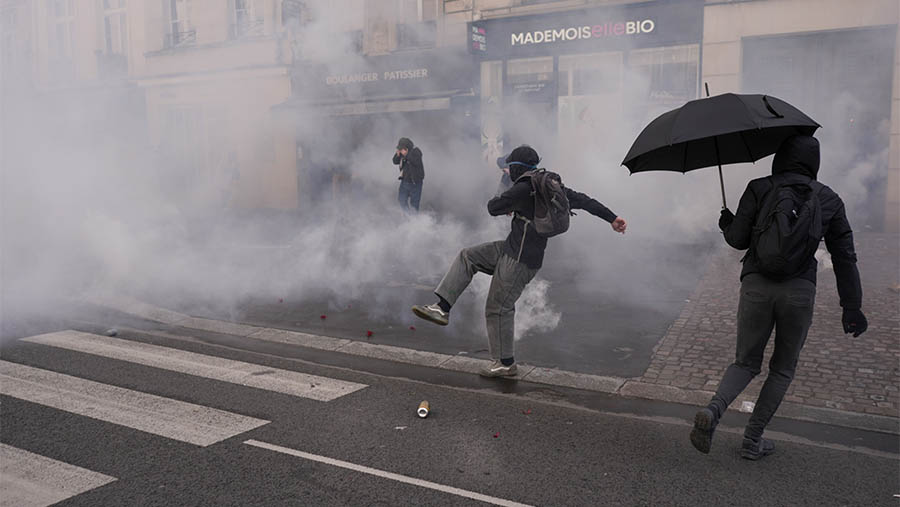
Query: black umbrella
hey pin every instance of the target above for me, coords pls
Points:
(725, 129)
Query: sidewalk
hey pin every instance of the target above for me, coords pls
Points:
(840, 380)
(836, 370)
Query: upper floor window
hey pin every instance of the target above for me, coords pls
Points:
(9, 39)
(295, 13)
(181, 31)
(248, 19)
(417, 26)
(62, 27)
(114, 27)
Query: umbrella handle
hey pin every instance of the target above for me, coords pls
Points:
(722, 185)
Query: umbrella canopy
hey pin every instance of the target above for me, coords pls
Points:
(725, 129)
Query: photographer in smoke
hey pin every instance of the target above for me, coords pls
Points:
(412, 173)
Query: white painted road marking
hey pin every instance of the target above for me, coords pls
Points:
(237, 372)
(32, 480)
(165, 417)
(387, 475)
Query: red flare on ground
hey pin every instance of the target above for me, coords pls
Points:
(369, 333)
(497, 435)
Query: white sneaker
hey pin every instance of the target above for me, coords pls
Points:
(432, 313)
(496, 369)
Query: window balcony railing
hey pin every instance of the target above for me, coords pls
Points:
(181, 39)
(248, 28)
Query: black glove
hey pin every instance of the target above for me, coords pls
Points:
(725, 219)
(854, 322)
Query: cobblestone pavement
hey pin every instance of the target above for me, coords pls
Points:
(835, 371)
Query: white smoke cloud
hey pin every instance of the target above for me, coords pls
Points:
(85, 210)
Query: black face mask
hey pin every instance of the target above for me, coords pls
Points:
(517, 169)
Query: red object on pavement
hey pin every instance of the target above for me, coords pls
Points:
(322, 317)
(412, 328)
(497, 435)
(527, 411)
(369, 333)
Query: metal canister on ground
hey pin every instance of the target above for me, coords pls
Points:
(423, 410)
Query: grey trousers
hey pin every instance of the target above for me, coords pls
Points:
(788, 307)
(508, 280)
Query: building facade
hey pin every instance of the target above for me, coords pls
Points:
(264, 101)
(594, 69)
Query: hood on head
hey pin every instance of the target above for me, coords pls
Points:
(522, 159)
(405, 142)
(797, 154)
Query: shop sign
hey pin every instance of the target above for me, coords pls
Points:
(398, 75)
(647, 24)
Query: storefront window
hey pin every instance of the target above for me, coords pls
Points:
(527, 75)
(590, 94)
(665, 75)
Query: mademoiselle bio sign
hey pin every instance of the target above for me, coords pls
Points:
(646, 24)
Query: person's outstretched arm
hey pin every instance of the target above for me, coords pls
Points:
(577, 200)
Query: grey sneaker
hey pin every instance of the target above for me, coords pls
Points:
(432, 313)
(704, 427)
(755, 449)
(496, 369)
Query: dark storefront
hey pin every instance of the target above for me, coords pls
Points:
(369, 102)
(843, 79)
(584, 74)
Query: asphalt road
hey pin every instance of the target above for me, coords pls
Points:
(608, 324)
(512, 441)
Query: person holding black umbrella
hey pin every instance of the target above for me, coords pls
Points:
(776, 296)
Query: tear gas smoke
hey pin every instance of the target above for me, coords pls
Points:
(105, 210)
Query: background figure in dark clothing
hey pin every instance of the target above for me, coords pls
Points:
(412, 173)
(785, 304)
(511, 263)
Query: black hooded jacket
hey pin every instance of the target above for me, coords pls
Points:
(412, 168)
(797, 161)
(518, 199)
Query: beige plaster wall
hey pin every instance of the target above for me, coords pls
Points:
(725, 24)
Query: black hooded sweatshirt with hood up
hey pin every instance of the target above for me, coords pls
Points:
(518, 199)
(797, 161)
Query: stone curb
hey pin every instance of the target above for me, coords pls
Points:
(629, 388)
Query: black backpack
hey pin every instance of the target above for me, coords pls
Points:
(788, 228)
(551, 206)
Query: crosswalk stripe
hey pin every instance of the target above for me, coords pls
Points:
(32, 480)
(387, 475)
(165, 417)
(200, 365)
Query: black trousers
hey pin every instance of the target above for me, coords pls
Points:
(765, 304)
